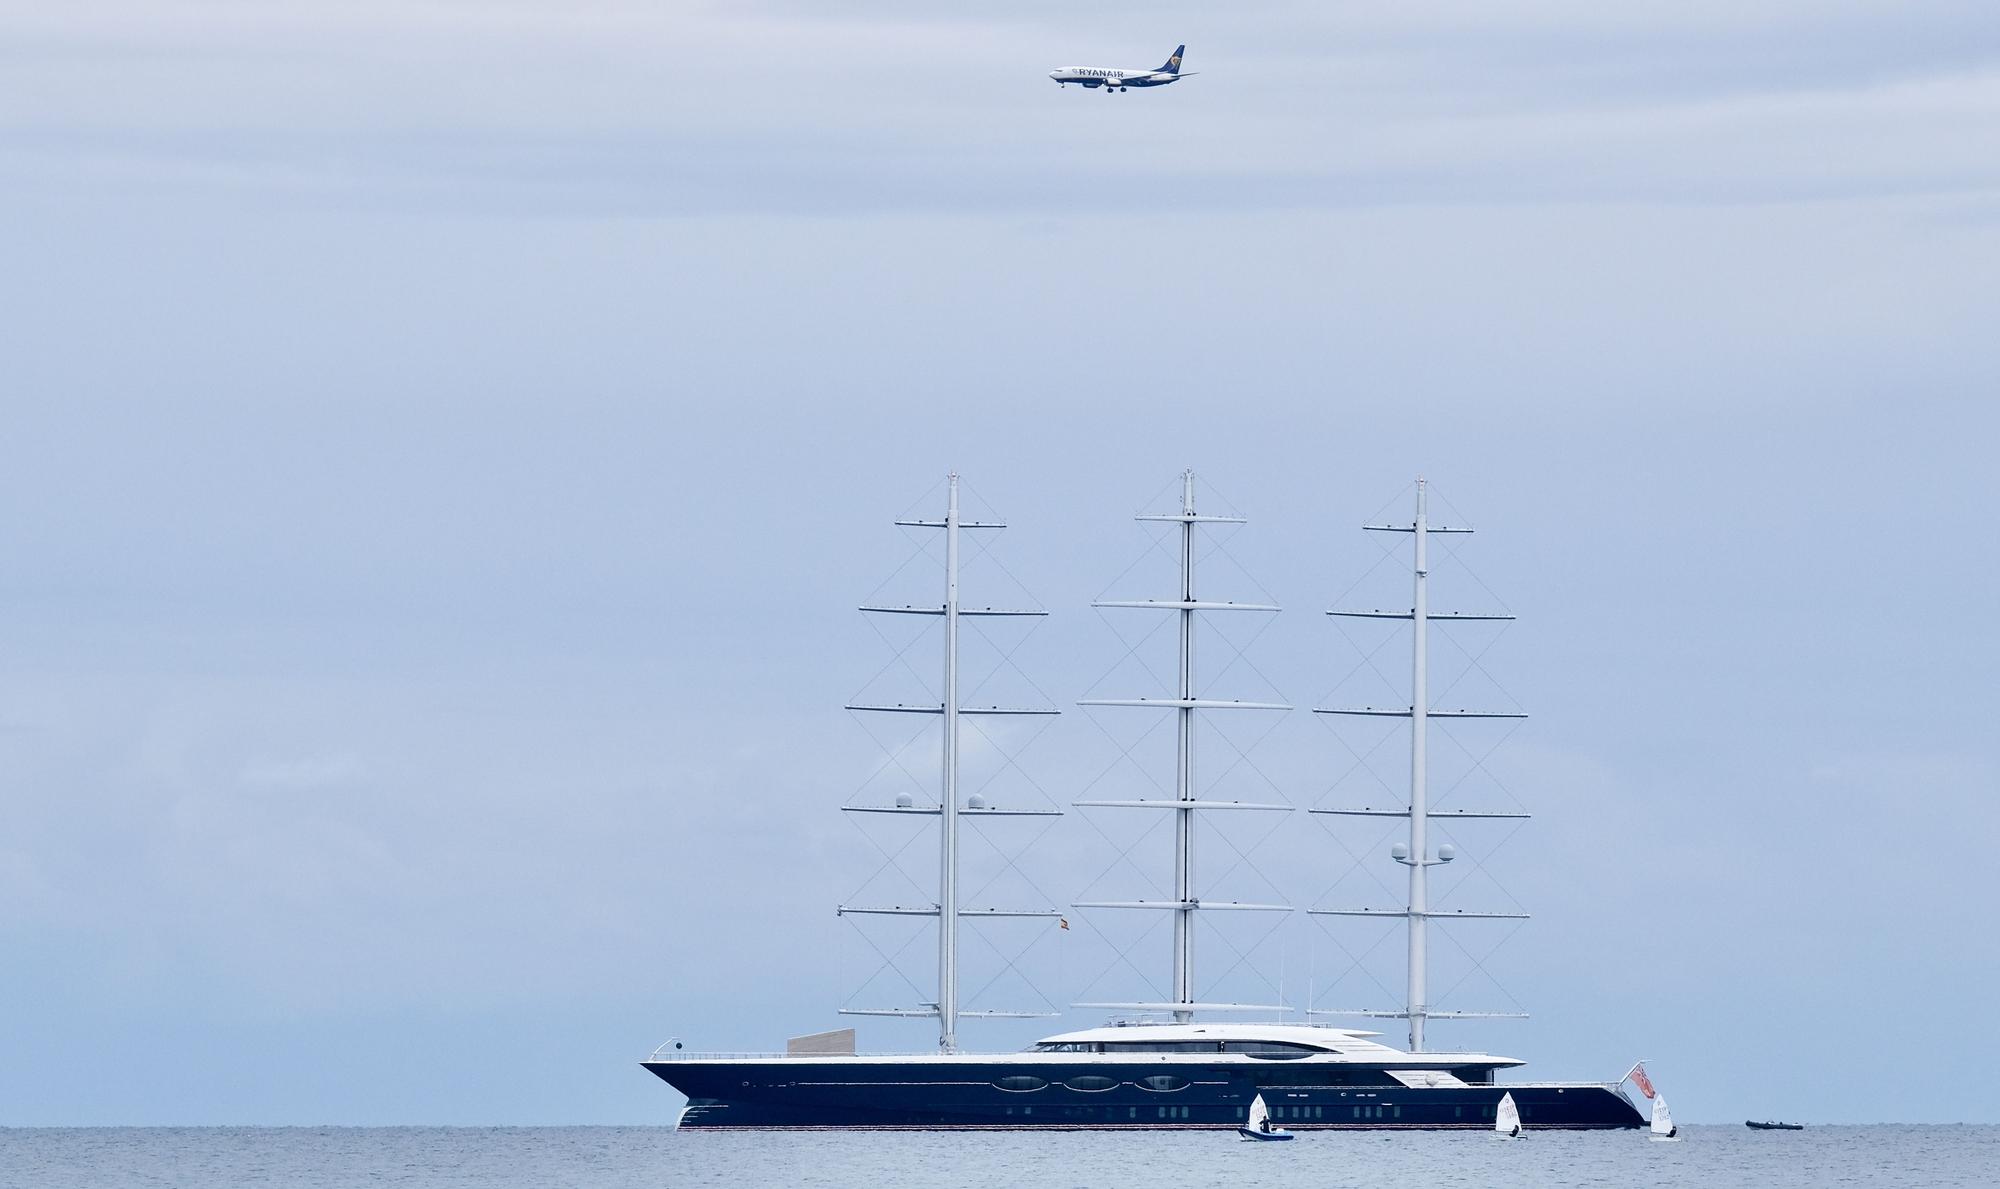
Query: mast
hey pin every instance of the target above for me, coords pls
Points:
(1418, 995)
(948, 810)
(1184, 768)
(1416, 855)
(948, 804)
(1185, 702)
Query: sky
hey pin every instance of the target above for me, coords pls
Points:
(446, 444)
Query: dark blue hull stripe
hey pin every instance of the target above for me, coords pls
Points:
(903, 1097)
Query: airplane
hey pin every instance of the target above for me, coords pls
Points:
(1118, 80)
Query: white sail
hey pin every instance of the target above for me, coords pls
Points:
(1507, 1119)
(1258, 1113)
(1663, 1123)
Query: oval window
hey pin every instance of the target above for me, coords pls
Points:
(1021, 1082)
(1163, 1083)
(1090, 1083)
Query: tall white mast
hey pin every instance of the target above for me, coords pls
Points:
(948, 803)
(1416, 855)
(947, 910)
(1185, 803)
(1418, 992)
(1184, 768)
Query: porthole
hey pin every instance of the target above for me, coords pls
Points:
(1021, 1083)
(1091, 1083)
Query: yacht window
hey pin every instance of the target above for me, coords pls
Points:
(1269, 1048)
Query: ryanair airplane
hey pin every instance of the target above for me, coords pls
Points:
(1118, 80)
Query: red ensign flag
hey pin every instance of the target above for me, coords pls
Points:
(1640, 1080)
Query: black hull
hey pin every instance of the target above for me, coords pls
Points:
(819, 1095)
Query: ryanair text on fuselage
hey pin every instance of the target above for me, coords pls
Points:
(1118, 80)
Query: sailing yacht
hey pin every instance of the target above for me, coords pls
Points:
(1164, 1064)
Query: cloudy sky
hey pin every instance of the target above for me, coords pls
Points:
(446, 443)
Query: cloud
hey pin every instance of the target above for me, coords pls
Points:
(630, 109)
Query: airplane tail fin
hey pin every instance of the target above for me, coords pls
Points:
(1173, 64)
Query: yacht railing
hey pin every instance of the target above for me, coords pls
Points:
(666, 1053)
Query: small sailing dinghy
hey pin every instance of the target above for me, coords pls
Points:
(1507, 1117)
(1258, 1125)
(1663, 1122)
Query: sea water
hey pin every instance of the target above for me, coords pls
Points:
(618, 1157)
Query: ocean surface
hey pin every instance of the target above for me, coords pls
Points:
(114, 1157)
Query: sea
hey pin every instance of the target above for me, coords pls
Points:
(645, 1157)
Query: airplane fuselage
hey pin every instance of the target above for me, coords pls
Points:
(1114, 80)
